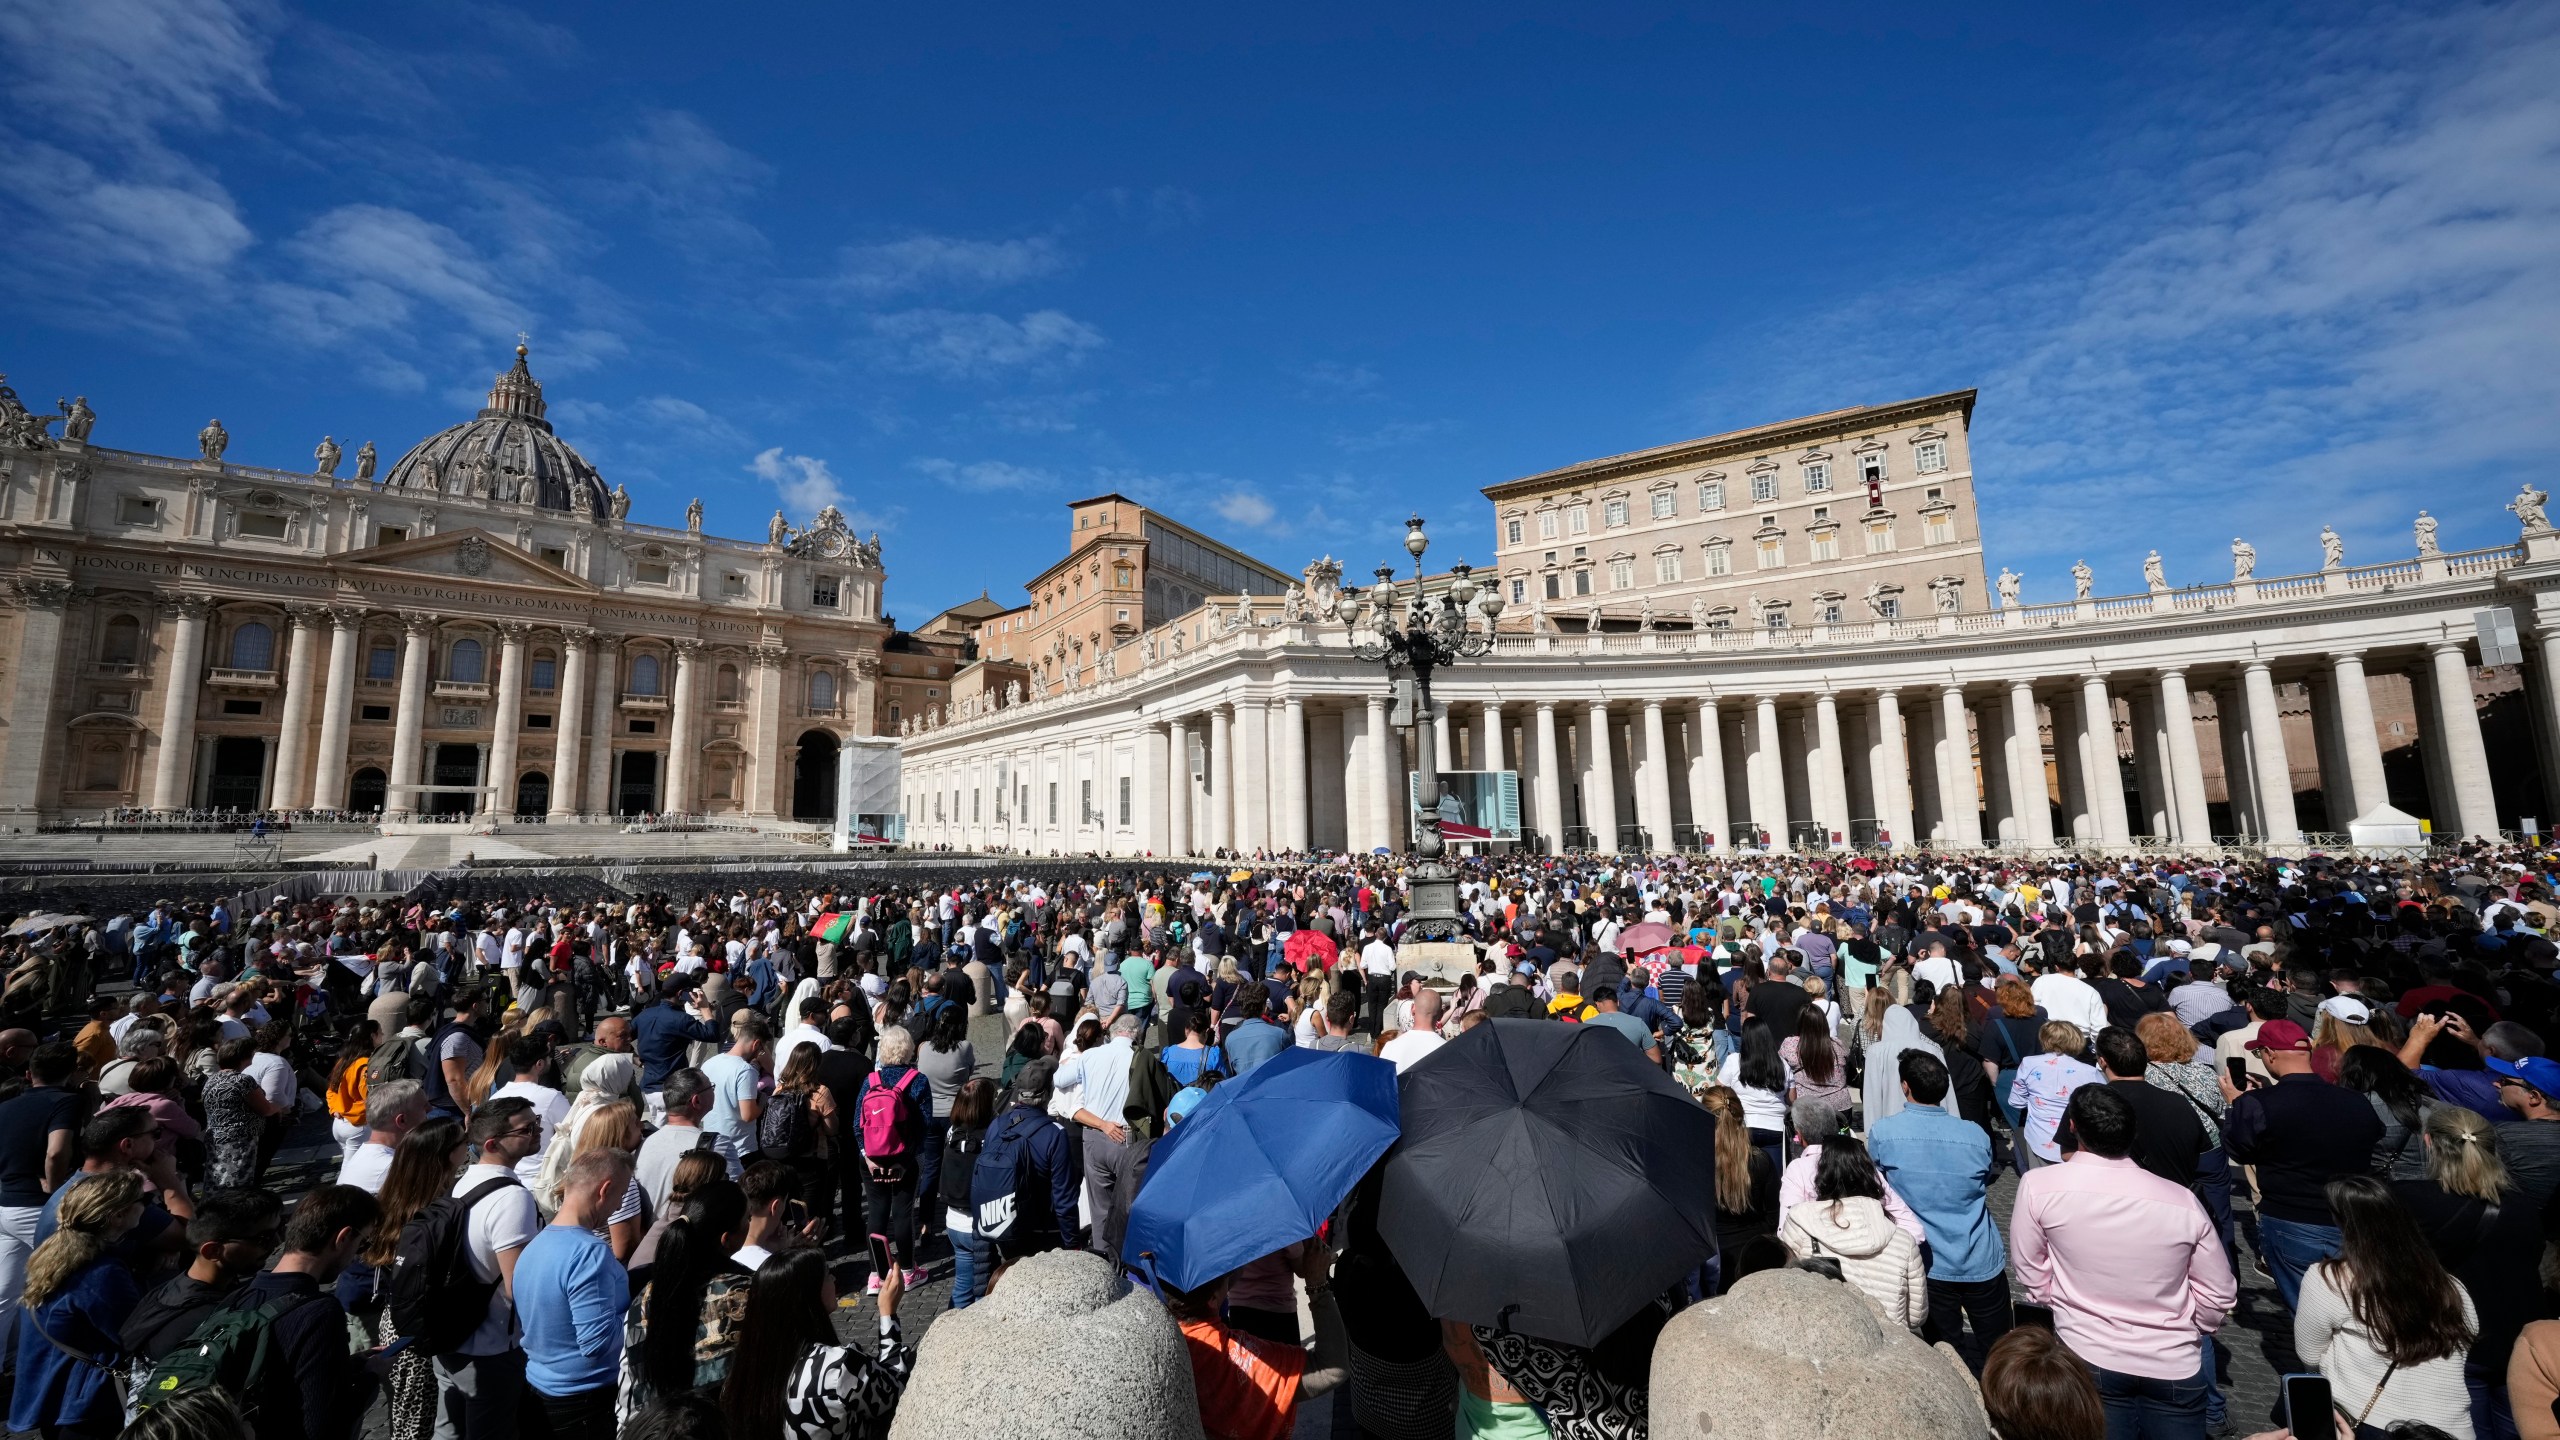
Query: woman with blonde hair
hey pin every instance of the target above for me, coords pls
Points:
(615, 1125)
(76, 1300)
(2465, 1190)
(477, 1085)
(1746, 1178)
(2043, 1089)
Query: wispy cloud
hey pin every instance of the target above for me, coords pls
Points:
(984, 474)
(693, 185)
(967, 345)
(804, 482)
(1395, 434)
(944, 263)
(2334, 298)
(121, 71)
(1335, 380)
(1247, 508)
(1038, 414)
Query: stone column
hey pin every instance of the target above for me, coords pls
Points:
(504, 736)
(337, 709)
(1957, 787)
(1831, 782)
(2367, 789)
(410, 719)
(1550, 777)
(1889, 771)
(2192, 823)
(1653, 808)
(1600, 781)
(2026, 769)
(42, 604)
(2151, 764)
(1150, 776)
(1489, 755)
(2466, 757)
(678, 798)
(1221, 799)
(1253, 776)
(1768, 772)
(599, 798)
(180, 684)
(1444, 741)
(292, 787)
(1708, 804)
(2100, 770)
(568, 761)
(2266, 747)
(1386, 801)
(1178, 790)
(765, 767)
(1292, 799)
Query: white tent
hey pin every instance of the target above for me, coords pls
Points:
(2386, 827)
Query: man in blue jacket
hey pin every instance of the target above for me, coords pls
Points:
(661, 1035)
(1941, 1167)
(1025, 1186)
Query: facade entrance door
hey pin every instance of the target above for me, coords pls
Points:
(239, 769)
(365, 790)
(533, 794)
(455, 765)
(813, 782)
(639, 790)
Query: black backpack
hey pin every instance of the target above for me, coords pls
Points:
(230, 1351)
(782, 1131)
(436, 1298)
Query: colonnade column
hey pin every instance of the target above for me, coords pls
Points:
(40, 654)
(171, 787)
(1600, 782)
(2466, 757)
(1708, 804)
(1178, 789)
(2194, 824)
(1654, 801)
(1293, 801)
(1489, 754)
(1889, 778)
(502, 746)
(1831, 780)
(2266, 750)
(2100, 771)
(1957, 789)
(1550, 777)
(1152, 771)
(337, 710)
(765, 760)
(409, 720)
(1220, 819)
(1768, 773)
(1253, 775)
(2028, 792)
(2368, 790)
(567, 757)
(292, 787)
(599, 798)
(680, 744)
(1386, 800)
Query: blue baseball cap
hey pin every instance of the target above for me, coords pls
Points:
(1184, 1101)
(2540, 1072)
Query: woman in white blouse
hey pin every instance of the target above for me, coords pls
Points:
(2384, 1321)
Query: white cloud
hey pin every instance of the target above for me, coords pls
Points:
(1245, 508)
(932, 262)
(122, 70)
(804, 482)
(984, 474)
(1392, 435)
(961, 345)
(1334, 380)
(692, 183)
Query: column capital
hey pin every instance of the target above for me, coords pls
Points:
(1654, 703)
(686, 648)
(41, 594)
(513, 632)
(2450, 647)
(191, 607)
(346, 618)
(419, 623)
(768, 657)
(297, 617)
(2345, 654)
(575, 637)
(2257, 665)
(2167, 672)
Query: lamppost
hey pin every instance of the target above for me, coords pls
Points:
(1413, 633)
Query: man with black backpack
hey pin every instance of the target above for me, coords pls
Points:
(1023, 1191)
(278, 1344)
(479, 1369)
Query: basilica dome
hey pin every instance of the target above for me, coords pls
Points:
(506, 452)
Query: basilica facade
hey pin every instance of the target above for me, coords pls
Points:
(479, 628)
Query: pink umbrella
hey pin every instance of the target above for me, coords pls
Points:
(1638, 939)
(1303, 944)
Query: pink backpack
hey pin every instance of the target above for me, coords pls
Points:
(892, 1115)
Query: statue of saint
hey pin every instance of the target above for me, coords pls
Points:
(693, 515)
(2333, 551)
(779, 531)
(1591, 621)
(2008, 583)
(2082, 577)
(2426, 528)
(1644, 613)
(1698, 613)
(324, 458)
(77, 418)
(2244, 561)
(1293, 604)
(213, 440)
(2528, 507)
(621, 503)
(1950, 596)
(365, 460)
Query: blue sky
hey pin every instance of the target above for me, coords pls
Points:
(2217, 270)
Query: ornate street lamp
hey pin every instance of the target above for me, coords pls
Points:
(1413, 633)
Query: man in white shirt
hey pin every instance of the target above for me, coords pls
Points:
(1421, 1037)
(511, 959)
(1114, 1155)
(809, 1031)
(531, 1057)
(2066, 996)
(1377, 980)
(272, 1071)
(1936, 968)
(480, 1382)
(392, 1109)
(688, 1098)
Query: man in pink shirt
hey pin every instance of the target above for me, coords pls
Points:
(2132, 1268)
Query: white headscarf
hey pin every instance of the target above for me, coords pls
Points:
(1883, 1091)
(606, 1079)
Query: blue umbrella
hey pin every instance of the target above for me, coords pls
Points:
(1204, 874)
(1260, 1164)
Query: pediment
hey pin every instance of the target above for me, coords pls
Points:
(473, 556)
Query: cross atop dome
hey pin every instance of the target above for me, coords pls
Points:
(516, 395)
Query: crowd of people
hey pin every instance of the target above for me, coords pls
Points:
(604, 1167)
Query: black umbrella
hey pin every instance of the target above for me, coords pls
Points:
(1548, 1179)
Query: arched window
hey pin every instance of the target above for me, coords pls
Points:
(822, 690)
(468, 665)
(123, 645)
(546, 671)
(253, 647)
(644, 674)
(724, 685)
